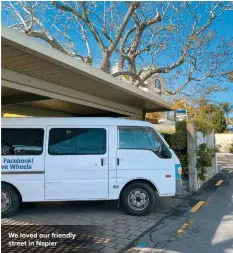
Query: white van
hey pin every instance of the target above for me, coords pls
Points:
(66, 159)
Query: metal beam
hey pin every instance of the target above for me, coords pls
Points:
(26, 83)
(9, 100)
(33, 111)
(35, 48)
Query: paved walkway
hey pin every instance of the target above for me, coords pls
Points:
(204, 223)
(102, 227)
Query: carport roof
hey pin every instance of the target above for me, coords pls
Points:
(37, 76)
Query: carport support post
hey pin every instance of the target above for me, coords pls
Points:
(192, 157)
(214, 162)
(144, 116)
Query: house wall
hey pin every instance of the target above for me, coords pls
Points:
(165, 128)
(224, 140)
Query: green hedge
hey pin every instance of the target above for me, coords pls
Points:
(178, 142)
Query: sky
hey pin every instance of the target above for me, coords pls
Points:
(223, 27)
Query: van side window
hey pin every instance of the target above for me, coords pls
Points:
(22, 141)
(142, 138)
(77, 141)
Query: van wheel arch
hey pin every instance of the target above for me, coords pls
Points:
(19, 194)
(138, 197)
(145, 181)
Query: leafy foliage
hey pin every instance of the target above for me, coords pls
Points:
(210, 117)
(205, 155)
(153, 117)
(218, 120)
(227, 108)
(203, 125)
(178, 142)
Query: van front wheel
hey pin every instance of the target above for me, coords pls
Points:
(138, 199)
(10, 200)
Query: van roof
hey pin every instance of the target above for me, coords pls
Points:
(63, 121)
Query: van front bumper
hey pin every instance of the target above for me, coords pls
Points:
(178, 186)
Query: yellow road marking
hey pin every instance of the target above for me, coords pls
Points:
(197, 206)
(219, 182)
(184, 227)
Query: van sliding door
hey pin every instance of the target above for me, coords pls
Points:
(76, 164)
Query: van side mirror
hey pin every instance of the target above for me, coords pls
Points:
(160, 149)
(165, 153)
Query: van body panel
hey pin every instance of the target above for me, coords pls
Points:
(30, 187)
(86, 176)
(80, 177)
(145, 164)
(25, 172)
(113, 186)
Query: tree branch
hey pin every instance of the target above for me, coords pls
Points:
(128, 73)
(89, 58)
(125, 37)
(132, 7)
(19, 16)
(29, 12)
(182, 58)
(50, 40)
(84, 17)
(91, 27)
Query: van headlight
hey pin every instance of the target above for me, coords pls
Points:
(179, 170)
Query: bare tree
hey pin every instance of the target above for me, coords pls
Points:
(170, 42)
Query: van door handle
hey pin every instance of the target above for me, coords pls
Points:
(102, 161)
(118, 161)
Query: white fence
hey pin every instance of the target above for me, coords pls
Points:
(209, 139)
(194, 140)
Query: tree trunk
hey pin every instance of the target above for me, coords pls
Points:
(105, 64)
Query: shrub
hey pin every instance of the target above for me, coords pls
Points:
(181, 126)
(178, 142)
(218, 147)
(210, 117)
(203, 125)
(231, 148)
(219, 121)
(204, 160)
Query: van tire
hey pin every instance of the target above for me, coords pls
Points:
(12, 195)
(144, 193)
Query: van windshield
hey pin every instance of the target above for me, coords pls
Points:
(142, 138)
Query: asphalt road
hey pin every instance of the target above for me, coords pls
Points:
(201, 224)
